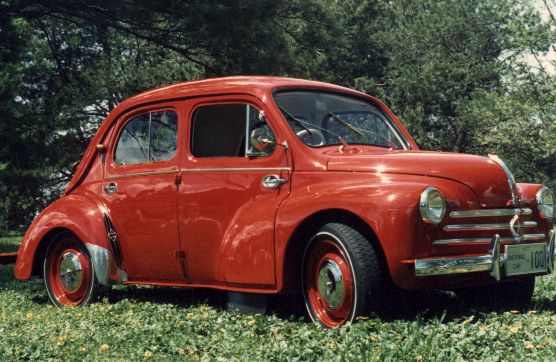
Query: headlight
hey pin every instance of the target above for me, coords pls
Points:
(432, 205)
(545, 202)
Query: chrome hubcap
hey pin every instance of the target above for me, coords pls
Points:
(70, 272)
(331, 284)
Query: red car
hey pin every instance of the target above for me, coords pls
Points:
(273, 185)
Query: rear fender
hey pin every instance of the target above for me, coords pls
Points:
(82, 215)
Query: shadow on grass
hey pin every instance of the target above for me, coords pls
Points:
(406, 306)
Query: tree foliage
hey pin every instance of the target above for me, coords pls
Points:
(454, 71)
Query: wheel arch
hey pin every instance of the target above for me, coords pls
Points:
(80, 215)
(42, 247)
(302, 234)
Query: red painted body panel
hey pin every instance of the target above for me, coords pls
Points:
(80, 213)
(235, 234)
(144, 208)
(227, 216)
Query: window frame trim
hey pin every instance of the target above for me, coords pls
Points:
(216, 102)
(128, 118)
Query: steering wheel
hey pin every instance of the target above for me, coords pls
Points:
(312, 137)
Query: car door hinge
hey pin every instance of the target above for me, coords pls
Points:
(178, 180)
(180, 254)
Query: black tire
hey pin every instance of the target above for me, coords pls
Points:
(516, 294)
(341, 276)
(77, 285)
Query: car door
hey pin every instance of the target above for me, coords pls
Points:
(231, 188)
(140, 192)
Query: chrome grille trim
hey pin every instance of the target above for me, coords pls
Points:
(511, 179)
(490, 213)
(489, 227)
(452, 242)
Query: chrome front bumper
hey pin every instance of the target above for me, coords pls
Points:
(492, 262)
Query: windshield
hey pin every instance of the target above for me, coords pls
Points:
(323, 119)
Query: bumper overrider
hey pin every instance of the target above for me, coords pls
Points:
(493, 262)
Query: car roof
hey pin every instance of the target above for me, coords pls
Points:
(256, 85)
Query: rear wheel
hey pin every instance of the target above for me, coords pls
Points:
(68, 272)
(340, 277)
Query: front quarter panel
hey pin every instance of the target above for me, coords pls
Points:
(387, 203)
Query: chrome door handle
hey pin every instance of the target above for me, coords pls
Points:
(273, 181)
(111, 188)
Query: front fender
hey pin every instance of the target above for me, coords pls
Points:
(388, 204)
(82, 215)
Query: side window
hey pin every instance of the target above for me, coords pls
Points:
(164, 127)
(149, 137)
(230, 130)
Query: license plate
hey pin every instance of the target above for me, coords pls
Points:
(526, 259)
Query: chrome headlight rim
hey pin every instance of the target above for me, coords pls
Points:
(424, 205)
(546, 211)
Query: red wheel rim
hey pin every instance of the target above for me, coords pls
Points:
(69, 272)
(329, 284)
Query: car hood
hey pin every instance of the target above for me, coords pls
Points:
(485, 177)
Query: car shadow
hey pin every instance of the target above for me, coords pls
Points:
(409, 306)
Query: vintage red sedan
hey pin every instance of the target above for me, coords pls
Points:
(272, 185)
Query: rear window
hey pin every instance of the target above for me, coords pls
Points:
(149, 137)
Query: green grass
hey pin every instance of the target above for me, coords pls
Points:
(132, 323)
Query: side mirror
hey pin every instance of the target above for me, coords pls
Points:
(261, 142)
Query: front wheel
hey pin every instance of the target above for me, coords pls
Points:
(340, 276)
(68, 272)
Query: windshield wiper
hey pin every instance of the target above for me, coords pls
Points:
(345, 124)
(297, 121)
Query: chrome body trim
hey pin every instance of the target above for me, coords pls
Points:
(487, 227)
(511, 179)
(472, 264)
(512, 240)
(424, 206)
(489, 213)
(104, 264)
(273, 181)
(492, 262)
(235, 169)
(147, 173)
(189, 170)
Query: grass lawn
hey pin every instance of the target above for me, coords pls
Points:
(132, 323)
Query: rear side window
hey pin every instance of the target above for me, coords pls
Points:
(149, 137)
(221, 130)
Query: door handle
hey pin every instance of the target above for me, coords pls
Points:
(111, 188)
(273, 181)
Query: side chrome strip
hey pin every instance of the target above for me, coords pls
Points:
(453, 242)
(148, 173)
(489, 212)
(487, 227)
(235, 169)
(190, 170)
